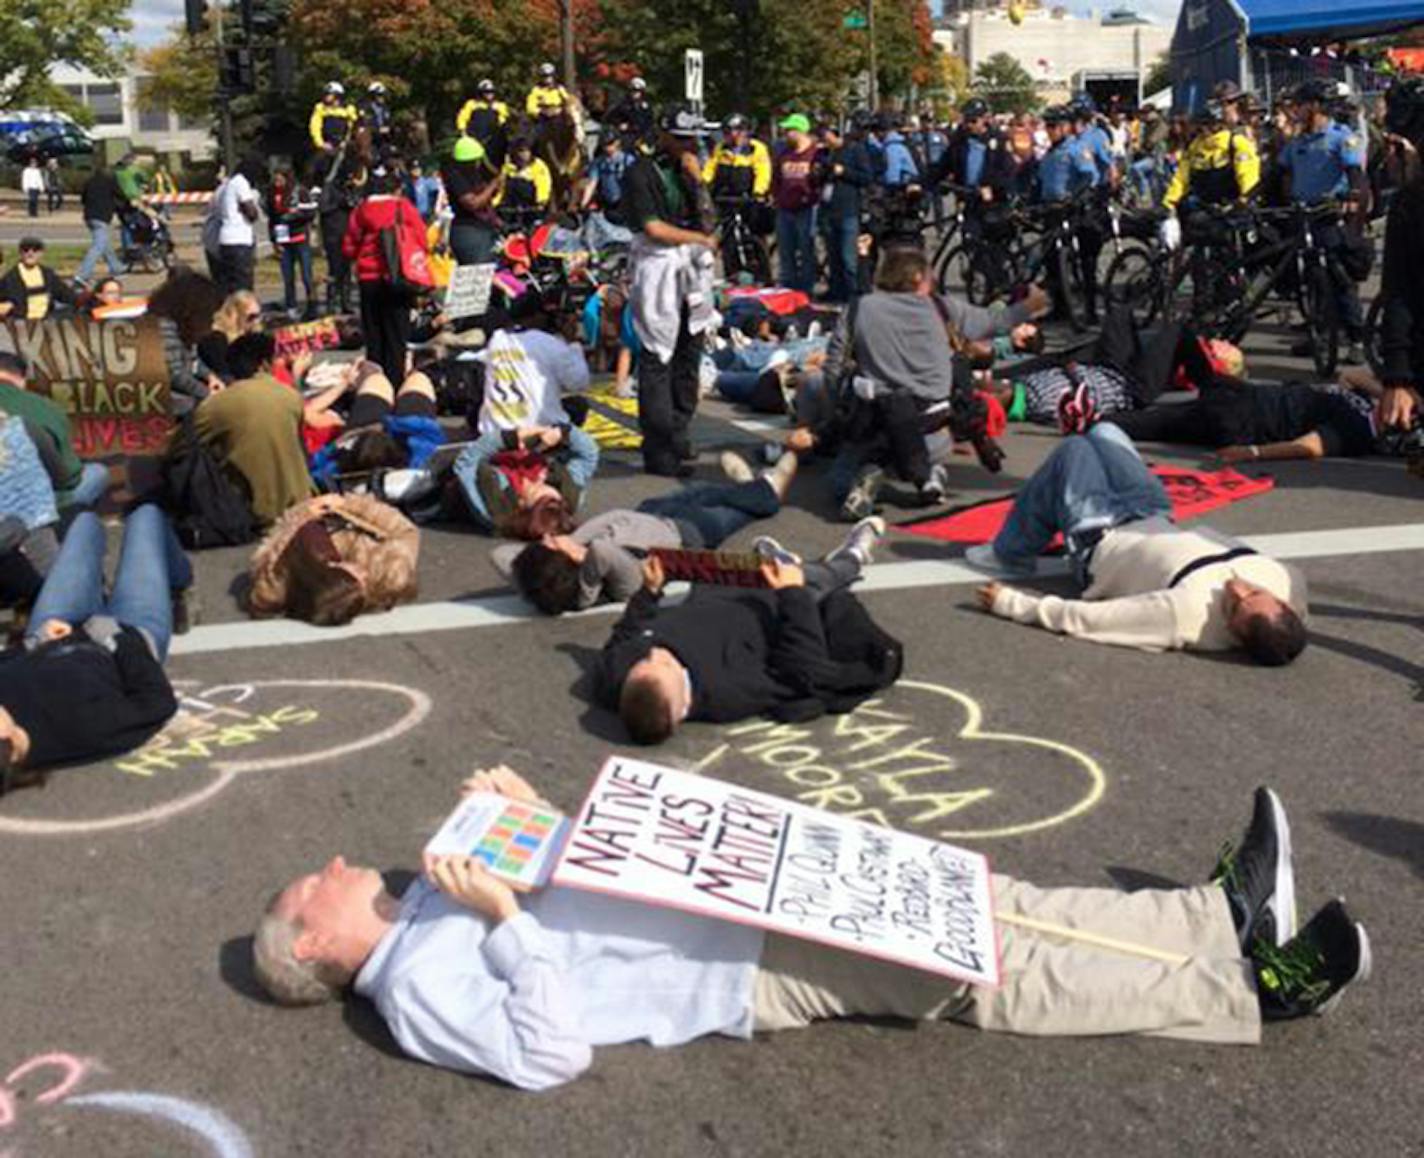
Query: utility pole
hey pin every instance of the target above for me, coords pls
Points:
(566, 36)
(874, 78)
(224, 96)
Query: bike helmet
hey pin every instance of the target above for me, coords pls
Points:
(376, 88)
(736, 122)
(638, 84)
(974, 108)
(1057, 115)
(1082, 106)
(334, 88)
(485, 88)
(1315, 92)
(546, 71)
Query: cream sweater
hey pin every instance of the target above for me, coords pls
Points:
(1130, 604)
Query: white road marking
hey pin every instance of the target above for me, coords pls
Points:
(500, 610)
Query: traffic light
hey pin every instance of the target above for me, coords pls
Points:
(194, 12)
(239, 75)
(264, 18)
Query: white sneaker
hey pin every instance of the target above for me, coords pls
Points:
(773, 552)
(937, 488)
(735, 467)
(985, 558)
(860, 543)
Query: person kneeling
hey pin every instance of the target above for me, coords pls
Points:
(1148, 582)
(333, 558)
(469, 976)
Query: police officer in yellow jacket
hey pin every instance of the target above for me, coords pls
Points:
(1221, 165)
(487, 121)
(332, 119)
(740, 167)
(548, 98)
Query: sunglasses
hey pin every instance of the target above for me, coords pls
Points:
(251, 318)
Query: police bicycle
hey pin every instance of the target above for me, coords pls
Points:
(742, 247)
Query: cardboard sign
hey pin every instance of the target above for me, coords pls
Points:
(469, 292)
(689, 842)
(111, 378)
(516, 841)
(307, 337)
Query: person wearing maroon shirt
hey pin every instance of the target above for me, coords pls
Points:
(385, 310)
(795, 189)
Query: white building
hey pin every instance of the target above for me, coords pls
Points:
(1054, 46)
(117, 115)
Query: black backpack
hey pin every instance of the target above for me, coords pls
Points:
(207, 508)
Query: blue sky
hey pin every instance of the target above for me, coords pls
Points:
(152, 18)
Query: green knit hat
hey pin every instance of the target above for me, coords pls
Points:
(468, 149)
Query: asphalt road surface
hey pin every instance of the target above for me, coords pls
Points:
(132, 1026)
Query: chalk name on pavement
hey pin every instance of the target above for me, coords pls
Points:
(920, 758)
(51, 1079)
(223, 731)
(111, 378)
(689, 842)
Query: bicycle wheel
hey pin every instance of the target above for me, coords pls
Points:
(953, 273)
(1374, 355)
(1134, 282)
(1068, 275)
(1322, 320)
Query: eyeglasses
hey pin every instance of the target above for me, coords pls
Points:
(253, 318)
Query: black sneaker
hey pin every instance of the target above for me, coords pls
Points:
(187, 610)
(1257, 876)
(1308, 975)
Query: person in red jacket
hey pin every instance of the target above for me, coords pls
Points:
(385, 310)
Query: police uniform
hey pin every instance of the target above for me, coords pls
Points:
(546, 100)
(1067, 168)
(1319, 164)
(734, 172)
(485, 121)
(331, 124)
(1094, 138)
(1219, 167)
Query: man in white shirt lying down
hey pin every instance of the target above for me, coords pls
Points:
(1147, 582)
(471, 977)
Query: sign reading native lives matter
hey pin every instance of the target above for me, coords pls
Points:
(469, 293)
(672, 838)
(111, 378)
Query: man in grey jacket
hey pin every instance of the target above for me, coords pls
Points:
(905, 351)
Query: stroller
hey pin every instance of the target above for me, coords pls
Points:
(147, 244)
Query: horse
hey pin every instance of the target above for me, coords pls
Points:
(558, 142)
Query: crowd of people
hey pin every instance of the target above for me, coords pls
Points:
(338, 465)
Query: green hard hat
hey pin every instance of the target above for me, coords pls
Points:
(468, 149)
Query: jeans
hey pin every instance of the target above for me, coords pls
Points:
(238, 267)
(713, 512)
(796, 248)
(294, 257)
(1091, 482)
(841, 234)
(151, 567)
(1144, 179)
(32, 199)
(93, 484)
(101, 244)
(756, 357)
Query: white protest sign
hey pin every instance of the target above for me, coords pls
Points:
(469, 292)
(692, 75)
(689, 842)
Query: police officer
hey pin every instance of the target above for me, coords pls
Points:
(548, 98)
(1325, 160)
(376, 116)
(332, 119)
(1064, 171)
(1094, 140)
(1221, 164)
(976, 157)
(486, 120)
(739, 168)
(634, 113)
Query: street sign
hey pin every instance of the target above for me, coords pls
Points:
(855, 21)
(692, 75)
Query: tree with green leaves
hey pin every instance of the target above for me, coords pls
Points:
(1158, 76)
(36, 35)
(1005, 84)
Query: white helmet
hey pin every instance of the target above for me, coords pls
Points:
(376, 88)
(335, 88)
(638, 84)
(546, 69)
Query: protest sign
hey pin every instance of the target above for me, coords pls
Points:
(111, 378)
(689, 842)
(469, 292)
(308, 337)
(515, 840)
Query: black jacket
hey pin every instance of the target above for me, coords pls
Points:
(999, 164)
(80, 701)
(1402, 289)
(751, 653)
(14, 291)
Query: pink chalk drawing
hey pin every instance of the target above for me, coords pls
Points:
(218, 1135)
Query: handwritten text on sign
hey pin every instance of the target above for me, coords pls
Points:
(689, 842)
(469, 292)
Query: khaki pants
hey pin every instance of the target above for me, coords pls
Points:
(1052, 986)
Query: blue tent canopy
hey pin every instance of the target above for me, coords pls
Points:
(1234, 40)
(1292, 18)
